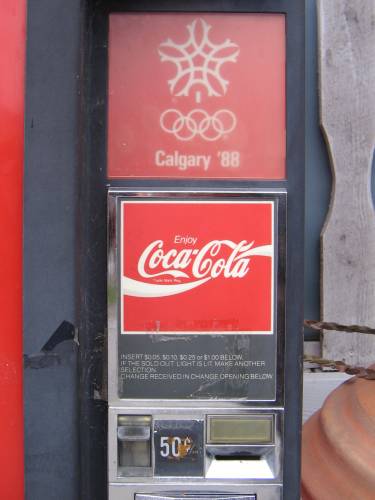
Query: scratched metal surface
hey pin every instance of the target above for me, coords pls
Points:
(50, 376)
(318, 176)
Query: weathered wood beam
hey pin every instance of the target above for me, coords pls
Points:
(347, 111)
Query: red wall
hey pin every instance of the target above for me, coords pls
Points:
(12, 62)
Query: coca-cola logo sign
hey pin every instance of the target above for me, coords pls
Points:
(216, 258)
(199, 266)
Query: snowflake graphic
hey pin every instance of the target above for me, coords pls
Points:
(198, 61)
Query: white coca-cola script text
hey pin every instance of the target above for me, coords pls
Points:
(205, 262)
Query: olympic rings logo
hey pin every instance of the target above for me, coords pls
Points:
(198, 123)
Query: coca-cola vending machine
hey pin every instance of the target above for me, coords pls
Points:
(205, 233)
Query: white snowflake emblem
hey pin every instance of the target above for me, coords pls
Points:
(198, 62)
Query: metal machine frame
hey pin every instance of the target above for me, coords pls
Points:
(65, 194)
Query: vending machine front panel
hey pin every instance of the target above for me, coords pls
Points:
(196, 335)
(204, 177)
(197, 302)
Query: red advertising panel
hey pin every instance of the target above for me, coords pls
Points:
(196, 95)
(203, 266)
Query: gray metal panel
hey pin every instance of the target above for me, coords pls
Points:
(141, 477)
(51, 441)
(318, 173)
(50, 168)
(50, 427)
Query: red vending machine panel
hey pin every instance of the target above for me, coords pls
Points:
(196, 96)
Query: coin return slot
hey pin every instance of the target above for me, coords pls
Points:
(134, 445)
(237, 457)
(238, 466)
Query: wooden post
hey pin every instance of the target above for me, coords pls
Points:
(347, 98)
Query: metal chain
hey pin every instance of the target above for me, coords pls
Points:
(358, 371)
